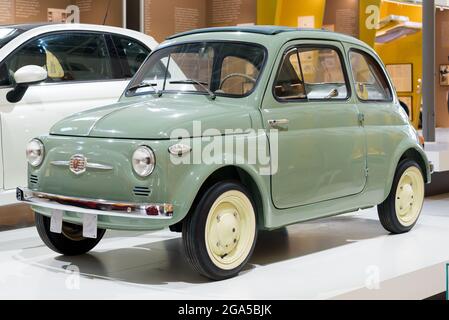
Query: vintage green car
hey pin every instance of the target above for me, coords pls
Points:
(227, 131)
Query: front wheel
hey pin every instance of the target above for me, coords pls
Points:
(220, 235)
(70, 242)
(400, 211)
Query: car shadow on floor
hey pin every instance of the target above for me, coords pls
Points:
(163, 262)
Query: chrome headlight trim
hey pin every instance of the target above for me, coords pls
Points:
(143, 161)
(35, 152)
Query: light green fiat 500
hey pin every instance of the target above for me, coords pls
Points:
(227, 131)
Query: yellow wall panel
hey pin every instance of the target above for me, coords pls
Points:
(266, 11)
(405, 50)
(369, 16)
(288, 11)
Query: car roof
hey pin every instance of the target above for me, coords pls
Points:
(267, 30)
(36, 29)
(24, 27)
(55, 26)
(260, 33)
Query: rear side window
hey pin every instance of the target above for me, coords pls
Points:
(312, 74)
(66, 57)
(370, 81)
(132, 54)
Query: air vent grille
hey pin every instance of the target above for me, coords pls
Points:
(142, 191)
(34, 179)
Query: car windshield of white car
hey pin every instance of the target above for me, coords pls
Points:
(212, 68)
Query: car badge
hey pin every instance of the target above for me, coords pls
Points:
(78, 164)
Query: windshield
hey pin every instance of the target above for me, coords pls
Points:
(214, 68)
(7, 34)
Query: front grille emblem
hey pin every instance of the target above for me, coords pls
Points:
(78, 164)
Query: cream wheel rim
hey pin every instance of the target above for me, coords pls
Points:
(230, 230)
(409, 196)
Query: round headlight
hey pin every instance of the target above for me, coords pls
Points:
(35, 152)
(143, 161)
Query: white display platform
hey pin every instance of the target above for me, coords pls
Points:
(438, 151)
(340, 257)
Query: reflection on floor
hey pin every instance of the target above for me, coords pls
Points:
(337, 257)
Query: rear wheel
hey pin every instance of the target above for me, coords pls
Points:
(219, 236)
(70, 242)
(400, 211)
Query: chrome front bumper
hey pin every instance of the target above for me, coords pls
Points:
(98, 207)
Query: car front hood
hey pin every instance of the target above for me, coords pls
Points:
(157, 118)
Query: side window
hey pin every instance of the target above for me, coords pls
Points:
(132, 54)
(370, 81)
(312, 73)
(289, 83)
(323, 73)
(66, 57)
(5, 77)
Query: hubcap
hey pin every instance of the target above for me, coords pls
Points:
(230, 230)
(409, 196)
(72, 231)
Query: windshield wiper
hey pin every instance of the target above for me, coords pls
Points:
(145, 85)
(202, 84)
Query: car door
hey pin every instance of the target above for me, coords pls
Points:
(81, 75)
(380, 109)
(321, 142)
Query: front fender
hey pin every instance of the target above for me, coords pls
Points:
(186, 180)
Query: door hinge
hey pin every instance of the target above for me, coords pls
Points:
(361, 119)
(366, 172)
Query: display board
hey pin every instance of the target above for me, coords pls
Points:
(109, 12)
(402, 76)
(164, 18)
(342, 16)
(230, 12)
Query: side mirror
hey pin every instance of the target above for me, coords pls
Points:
(25, 77)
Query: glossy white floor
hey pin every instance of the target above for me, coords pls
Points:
(341, 257)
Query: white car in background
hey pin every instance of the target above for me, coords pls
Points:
(50, 71)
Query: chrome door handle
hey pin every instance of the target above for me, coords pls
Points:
(278, 122)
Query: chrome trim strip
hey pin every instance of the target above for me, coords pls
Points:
(90, 165)
(134, 210)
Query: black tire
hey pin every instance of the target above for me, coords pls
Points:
(60, 243)
(387, 209)
(194, 237)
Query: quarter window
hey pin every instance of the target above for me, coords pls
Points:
(289, 82)
(313, 74)
(370, 81)
(66, 57)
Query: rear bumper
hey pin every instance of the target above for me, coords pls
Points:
(159, 211)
